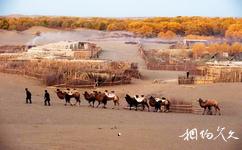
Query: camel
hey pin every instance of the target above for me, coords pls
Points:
(135, 101)
(90, 98)
(157, 103)
(100, 98)
(112, 97)
(209, 104)
(67, 96)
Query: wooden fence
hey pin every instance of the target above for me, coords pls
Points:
(186, 108)
(165, 65)
(195, 80)
(181, 108)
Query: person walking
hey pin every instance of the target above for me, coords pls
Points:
(28, 96)
(188, 74)
(47, 98)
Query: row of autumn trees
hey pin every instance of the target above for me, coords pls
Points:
(200, 49)
(164, 27)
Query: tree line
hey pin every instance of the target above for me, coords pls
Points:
(201, 49)
(163, 27)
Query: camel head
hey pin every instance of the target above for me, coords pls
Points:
(200, 100)
(127, 96)
(85, 93)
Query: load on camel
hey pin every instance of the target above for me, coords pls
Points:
(137, 101)
(158, 102)
(209, 104)
(67, 95)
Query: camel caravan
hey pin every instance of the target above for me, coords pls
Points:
(160, 104)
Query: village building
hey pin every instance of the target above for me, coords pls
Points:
(191, 42)
(64, 50)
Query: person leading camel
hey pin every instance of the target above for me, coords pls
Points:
(28, 96)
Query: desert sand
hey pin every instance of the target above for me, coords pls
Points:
(58, 127)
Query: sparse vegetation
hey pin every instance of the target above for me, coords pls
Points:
(53, 72)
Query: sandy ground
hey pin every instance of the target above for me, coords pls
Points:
(59, 127)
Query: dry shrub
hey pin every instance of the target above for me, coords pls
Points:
(52, 78)
(179, 101)
(54, 72)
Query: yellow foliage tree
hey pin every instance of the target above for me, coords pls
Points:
(168, 35)
(234, 31)
(236, 47)
(198, 49)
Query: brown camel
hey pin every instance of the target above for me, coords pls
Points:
(100, 98)
(90, 97)
(209, 104)
(67, 96)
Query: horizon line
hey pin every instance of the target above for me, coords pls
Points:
(74, 16)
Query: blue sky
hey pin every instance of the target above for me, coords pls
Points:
(123, 8)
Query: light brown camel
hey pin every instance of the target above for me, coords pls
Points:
(112, 97)
(209, 104)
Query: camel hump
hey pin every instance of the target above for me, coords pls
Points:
(158, 99)
(212, 101)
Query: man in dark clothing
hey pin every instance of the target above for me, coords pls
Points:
(47, 98)
(188, 73)
(28, 96)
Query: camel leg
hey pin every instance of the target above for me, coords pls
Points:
(98, 104)
(114, 104)
(218, 110)
(147, 106)
(210, 111)
(143, 106)
(215, 110)
(118, 104)
(104, 105)
(70, 102)
(167, 108)
(93, 103)
(75, 103)
(204, 111)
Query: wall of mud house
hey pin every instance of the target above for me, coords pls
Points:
(87, 54)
